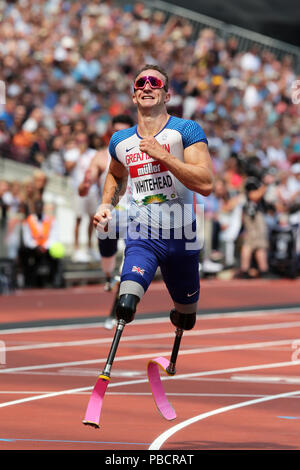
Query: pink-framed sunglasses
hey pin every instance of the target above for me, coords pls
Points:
(154, 82)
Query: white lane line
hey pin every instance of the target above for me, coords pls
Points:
(183, 352)
(162, 438)
(195, 332)
(200, 316)
(142, 381)
(76, 326)
(266, 379)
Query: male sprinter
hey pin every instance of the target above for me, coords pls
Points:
(167, 160)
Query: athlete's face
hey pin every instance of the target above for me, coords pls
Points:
(150, 97)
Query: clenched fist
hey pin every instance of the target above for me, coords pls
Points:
(101, 218)
(150, 146)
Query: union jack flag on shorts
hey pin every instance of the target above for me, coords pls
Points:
(138, 270)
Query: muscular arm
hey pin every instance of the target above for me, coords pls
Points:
(114, 188)
(195, 172)
(115, 183)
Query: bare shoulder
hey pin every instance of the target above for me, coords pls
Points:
(101, 158)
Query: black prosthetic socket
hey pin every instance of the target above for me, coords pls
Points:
(184, 321)
(126, 307)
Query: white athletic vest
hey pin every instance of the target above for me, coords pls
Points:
(158, 199)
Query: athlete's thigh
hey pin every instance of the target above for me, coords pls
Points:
(140, 263)
(180, 272)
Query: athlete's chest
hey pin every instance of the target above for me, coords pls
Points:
(129, 153)
(151, 180)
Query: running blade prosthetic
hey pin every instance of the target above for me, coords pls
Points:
(161, 401)
(92, 415)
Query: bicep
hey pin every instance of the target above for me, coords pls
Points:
(117, 169)
(198, 154)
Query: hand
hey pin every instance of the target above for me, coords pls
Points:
(83, 188)
(150, 146)
(101, 218)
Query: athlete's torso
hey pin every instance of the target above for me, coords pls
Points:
(157, 197)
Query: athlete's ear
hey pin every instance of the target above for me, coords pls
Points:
(167, 97)
(134, 99)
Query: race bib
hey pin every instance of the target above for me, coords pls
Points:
(152, 183)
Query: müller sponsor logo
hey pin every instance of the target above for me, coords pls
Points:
(145, 169)
(148, 169)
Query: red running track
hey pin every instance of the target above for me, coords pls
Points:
(237, 384)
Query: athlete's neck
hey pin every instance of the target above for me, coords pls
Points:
(150, 125)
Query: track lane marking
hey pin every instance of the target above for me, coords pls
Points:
(192, 333)
(64, 441)
(140, 381)
(183, 352)
(162, 438)
(157, 320)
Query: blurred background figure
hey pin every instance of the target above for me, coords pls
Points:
(77, 162)
(39, 234)
(14, 219)
(255, 242)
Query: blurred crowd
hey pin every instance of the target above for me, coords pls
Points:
(69, 65)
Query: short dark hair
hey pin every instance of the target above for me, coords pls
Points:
(158, 69)
(123, 118)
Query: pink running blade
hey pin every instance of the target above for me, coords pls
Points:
(92, 415)
(158, 393)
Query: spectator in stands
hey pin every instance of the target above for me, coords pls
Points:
(255, 235)
(223, 213)
(14, 220)
(40, 181)
(39, 148)
(4, 204)
(28, 196)
(54, 163)
(287, 191)
(232, 176)
(39, 233)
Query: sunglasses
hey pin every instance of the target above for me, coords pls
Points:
(154, 82)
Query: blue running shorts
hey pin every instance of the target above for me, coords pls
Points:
(179, 267)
